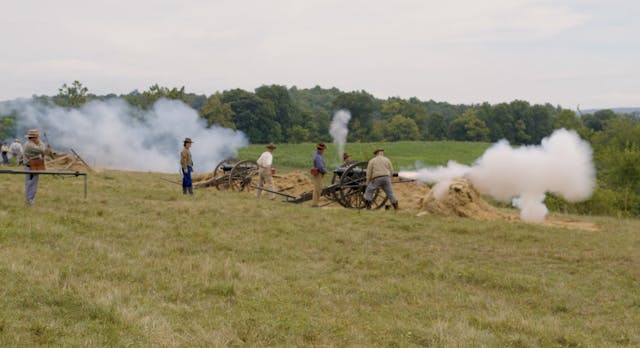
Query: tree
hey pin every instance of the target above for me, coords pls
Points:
(468, 127)
(567, 119)
(283, 105)
(436, 127)
(298, 134)
(362, 106)
(155, 92)
(401, 128)
(71, 96)
(413, 109)
(215, 112)
(7, 127)
(521, 116)
(596, 122)
(540, 123)
(253, 115)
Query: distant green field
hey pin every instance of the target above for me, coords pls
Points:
(404, 155)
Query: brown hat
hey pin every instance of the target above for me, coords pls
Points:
(188, 140)
(33, 133)
(375, 152)
(271, 146)
(321, 146)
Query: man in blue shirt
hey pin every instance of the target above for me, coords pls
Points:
(318, 174)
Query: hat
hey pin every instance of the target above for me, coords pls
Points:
(33, 133)
(345, 156)
(375, 152)
(187, 140)
(321, 146)
(271, 146)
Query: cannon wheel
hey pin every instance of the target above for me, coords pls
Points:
(241, 174)
(352, 187)
(219, 176)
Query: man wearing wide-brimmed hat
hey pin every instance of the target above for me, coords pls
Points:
(379, 173)
(318, 171)
(186, 162)
(33, 157)
(265, 165)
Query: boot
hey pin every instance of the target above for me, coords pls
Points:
(395, 205)
(367, 204)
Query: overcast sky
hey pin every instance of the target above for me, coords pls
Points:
(565, 52)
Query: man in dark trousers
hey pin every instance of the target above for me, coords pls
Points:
(33, 156)
(379, 173)
(186, 162)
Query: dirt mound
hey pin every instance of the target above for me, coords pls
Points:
(458, 198)
(410, 194)
(293, 183)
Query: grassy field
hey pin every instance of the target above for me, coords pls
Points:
(139, 264)
(406, 155)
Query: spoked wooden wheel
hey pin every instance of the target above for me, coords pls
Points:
(241, 175)
(353, 185)
(220, 174)
(350, 192)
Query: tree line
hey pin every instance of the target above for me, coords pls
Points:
(278, 114)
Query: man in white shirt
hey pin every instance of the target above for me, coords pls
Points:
(265, 168)
(16, 151)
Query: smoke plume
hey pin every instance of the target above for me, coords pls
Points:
(112, 134)
(339, 129)
(562, 164)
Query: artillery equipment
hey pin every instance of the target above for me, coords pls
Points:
(348, 185)
(230, 175)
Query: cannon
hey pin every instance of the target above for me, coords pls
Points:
(347, 188)
(232, 175)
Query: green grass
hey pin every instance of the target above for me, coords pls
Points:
(139, 264)
(406, 155)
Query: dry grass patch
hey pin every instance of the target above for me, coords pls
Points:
(139, 264)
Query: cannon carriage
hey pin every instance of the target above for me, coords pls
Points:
(347, 188)
(233, 175)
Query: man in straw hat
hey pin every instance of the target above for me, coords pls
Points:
(379, 173)
(186, 162)
(318, 171)
(265, 162)
(34, 151)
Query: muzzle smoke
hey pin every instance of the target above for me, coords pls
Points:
(112, 134)
(339, 129)
(562, 164)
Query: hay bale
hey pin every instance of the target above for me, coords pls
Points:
(458, 197)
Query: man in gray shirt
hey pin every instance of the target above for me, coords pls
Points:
(379, 173)
(33, 150)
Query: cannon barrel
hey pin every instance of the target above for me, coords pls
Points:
(341, 170)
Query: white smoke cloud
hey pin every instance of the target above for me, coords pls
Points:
(339, 129)
(561, 164)
(112, 134)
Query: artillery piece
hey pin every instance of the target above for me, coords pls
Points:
(231, 175)
(348, 185)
